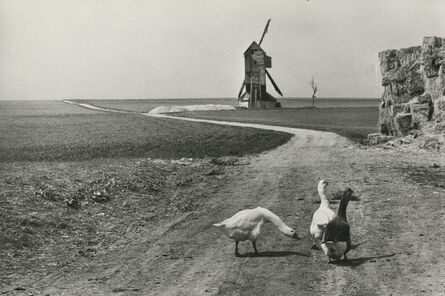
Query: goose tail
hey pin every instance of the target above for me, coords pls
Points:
(322, 226)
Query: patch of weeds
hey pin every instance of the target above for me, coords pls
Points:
(426, 176)
(17, 241)
(63, 225)
(98, 190)
(185, 183)
(215, 172)
(431, 143)
(227, 161)
(46, 192)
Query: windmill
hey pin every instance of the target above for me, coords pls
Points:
(256, 62)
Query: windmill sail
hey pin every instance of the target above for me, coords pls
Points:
(241, 90)
(265, 31)
(273, 83)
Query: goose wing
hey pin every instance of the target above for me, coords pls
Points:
(243, 220)
(337, 231)
(322, 216)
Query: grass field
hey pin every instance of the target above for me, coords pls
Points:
(31, 131)
(352, 118)
(15, 109)
(353, 123)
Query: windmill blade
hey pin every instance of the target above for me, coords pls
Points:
(264, 32)
(273, 83)
(241, 89)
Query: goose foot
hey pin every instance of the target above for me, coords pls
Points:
(237, 254)
(314, 245)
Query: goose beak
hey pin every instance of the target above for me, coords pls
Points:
(295, 236)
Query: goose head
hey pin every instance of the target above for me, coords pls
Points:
(322, 185)
(347, 193)
(289, 232)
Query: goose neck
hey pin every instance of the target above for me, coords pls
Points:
(342, 208)
(323, 197)
(324, 202)
(271, 217)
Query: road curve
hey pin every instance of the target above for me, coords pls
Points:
(304, 136)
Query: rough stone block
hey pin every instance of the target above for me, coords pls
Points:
(421, 108)
(414, 83)
(376, 138)
(403, 123)
(439, 109)
(433, 55)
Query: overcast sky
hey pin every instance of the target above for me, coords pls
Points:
(109, 49)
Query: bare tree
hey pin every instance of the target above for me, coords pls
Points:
(313, 85)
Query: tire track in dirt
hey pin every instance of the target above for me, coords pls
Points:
(223, 271)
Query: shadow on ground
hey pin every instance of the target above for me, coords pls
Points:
(355, 262)
(274, 254)
(355, 246)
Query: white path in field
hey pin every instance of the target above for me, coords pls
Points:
(201, 107)
(92, 107)
(304, 136)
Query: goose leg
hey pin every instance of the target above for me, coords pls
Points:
(314, 245)
(348, 247)
(254, 247)
(237, 254)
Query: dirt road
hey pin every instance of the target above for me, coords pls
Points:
(396, 231)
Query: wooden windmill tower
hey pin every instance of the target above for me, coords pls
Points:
(256, 62)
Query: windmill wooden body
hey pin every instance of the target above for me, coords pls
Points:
(256, 62)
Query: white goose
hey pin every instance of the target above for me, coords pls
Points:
(246, 225)
(322, 216)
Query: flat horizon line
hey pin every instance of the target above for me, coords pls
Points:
(196, 98)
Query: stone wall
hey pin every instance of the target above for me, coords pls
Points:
(414, 88)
